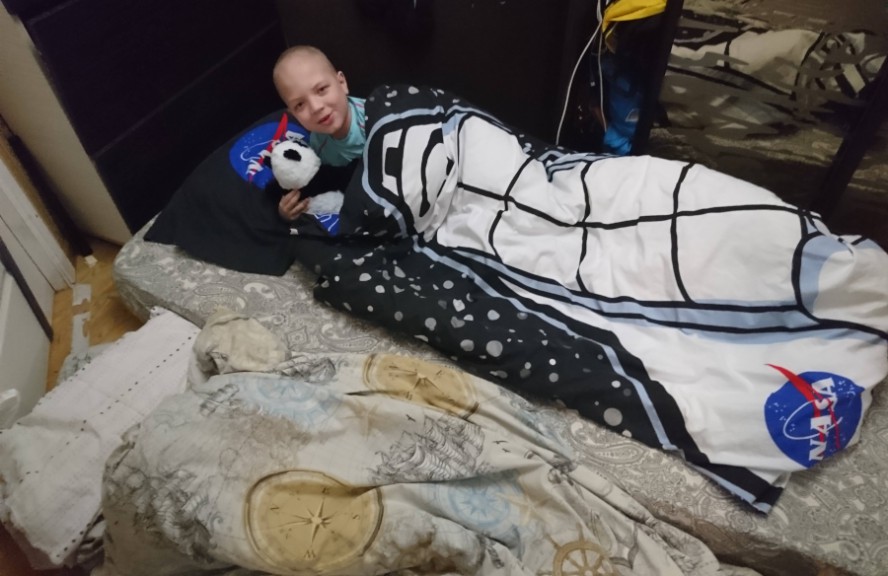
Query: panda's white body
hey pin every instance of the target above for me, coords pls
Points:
(326, 203)
(294, 164)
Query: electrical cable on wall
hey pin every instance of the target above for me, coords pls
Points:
(615, 11)
(573, 74)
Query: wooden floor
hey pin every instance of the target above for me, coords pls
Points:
(106, 319)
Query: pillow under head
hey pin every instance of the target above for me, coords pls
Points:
(225, 212)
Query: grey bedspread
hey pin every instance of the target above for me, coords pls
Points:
(835, 514)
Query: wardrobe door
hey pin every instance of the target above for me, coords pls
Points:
(511, 58)
(153, 86)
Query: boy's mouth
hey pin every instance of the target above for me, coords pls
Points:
(326, 119)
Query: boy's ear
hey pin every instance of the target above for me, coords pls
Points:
(342, 81)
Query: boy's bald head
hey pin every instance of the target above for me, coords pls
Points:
(297, 52)
(315, 93)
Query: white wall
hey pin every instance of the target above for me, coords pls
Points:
(30, 108)
(24, 353)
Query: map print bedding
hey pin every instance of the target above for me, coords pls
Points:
(379, 464)
(676, 305)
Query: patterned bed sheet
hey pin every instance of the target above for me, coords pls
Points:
(834, 515)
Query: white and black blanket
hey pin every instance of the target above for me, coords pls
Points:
(676, 305)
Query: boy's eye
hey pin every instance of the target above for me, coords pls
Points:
(322, 89)
(298, 106)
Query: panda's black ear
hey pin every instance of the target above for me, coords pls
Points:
(293, 155)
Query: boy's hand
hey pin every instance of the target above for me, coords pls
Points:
(292, 205)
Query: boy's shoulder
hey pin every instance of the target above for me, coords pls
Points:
(358, 104)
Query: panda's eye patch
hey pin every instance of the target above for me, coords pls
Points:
(293, 155)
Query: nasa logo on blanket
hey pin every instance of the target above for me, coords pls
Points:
(813, 415)
(247, 155)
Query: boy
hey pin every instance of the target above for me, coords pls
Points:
(316, 94)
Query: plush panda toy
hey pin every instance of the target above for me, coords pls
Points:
(294, 165)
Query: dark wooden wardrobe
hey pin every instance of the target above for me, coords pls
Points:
(153, 86)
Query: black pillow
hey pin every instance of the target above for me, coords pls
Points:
(225, 212)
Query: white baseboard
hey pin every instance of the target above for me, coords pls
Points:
(24, 222)
(24, 353)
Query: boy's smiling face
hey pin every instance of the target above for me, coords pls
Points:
(315, 94)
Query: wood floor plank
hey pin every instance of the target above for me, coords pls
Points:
(108, 318)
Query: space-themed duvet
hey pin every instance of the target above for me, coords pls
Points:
(673, 304)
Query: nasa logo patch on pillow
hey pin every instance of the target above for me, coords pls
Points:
(248, 153)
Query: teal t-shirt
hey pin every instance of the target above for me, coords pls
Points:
(340, 152)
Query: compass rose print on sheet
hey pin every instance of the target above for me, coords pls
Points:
(421, 382)
(302, 520)
(492, 504)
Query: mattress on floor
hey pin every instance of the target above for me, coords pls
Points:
(833, 515)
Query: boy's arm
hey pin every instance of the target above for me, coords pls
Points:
(293, 203)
